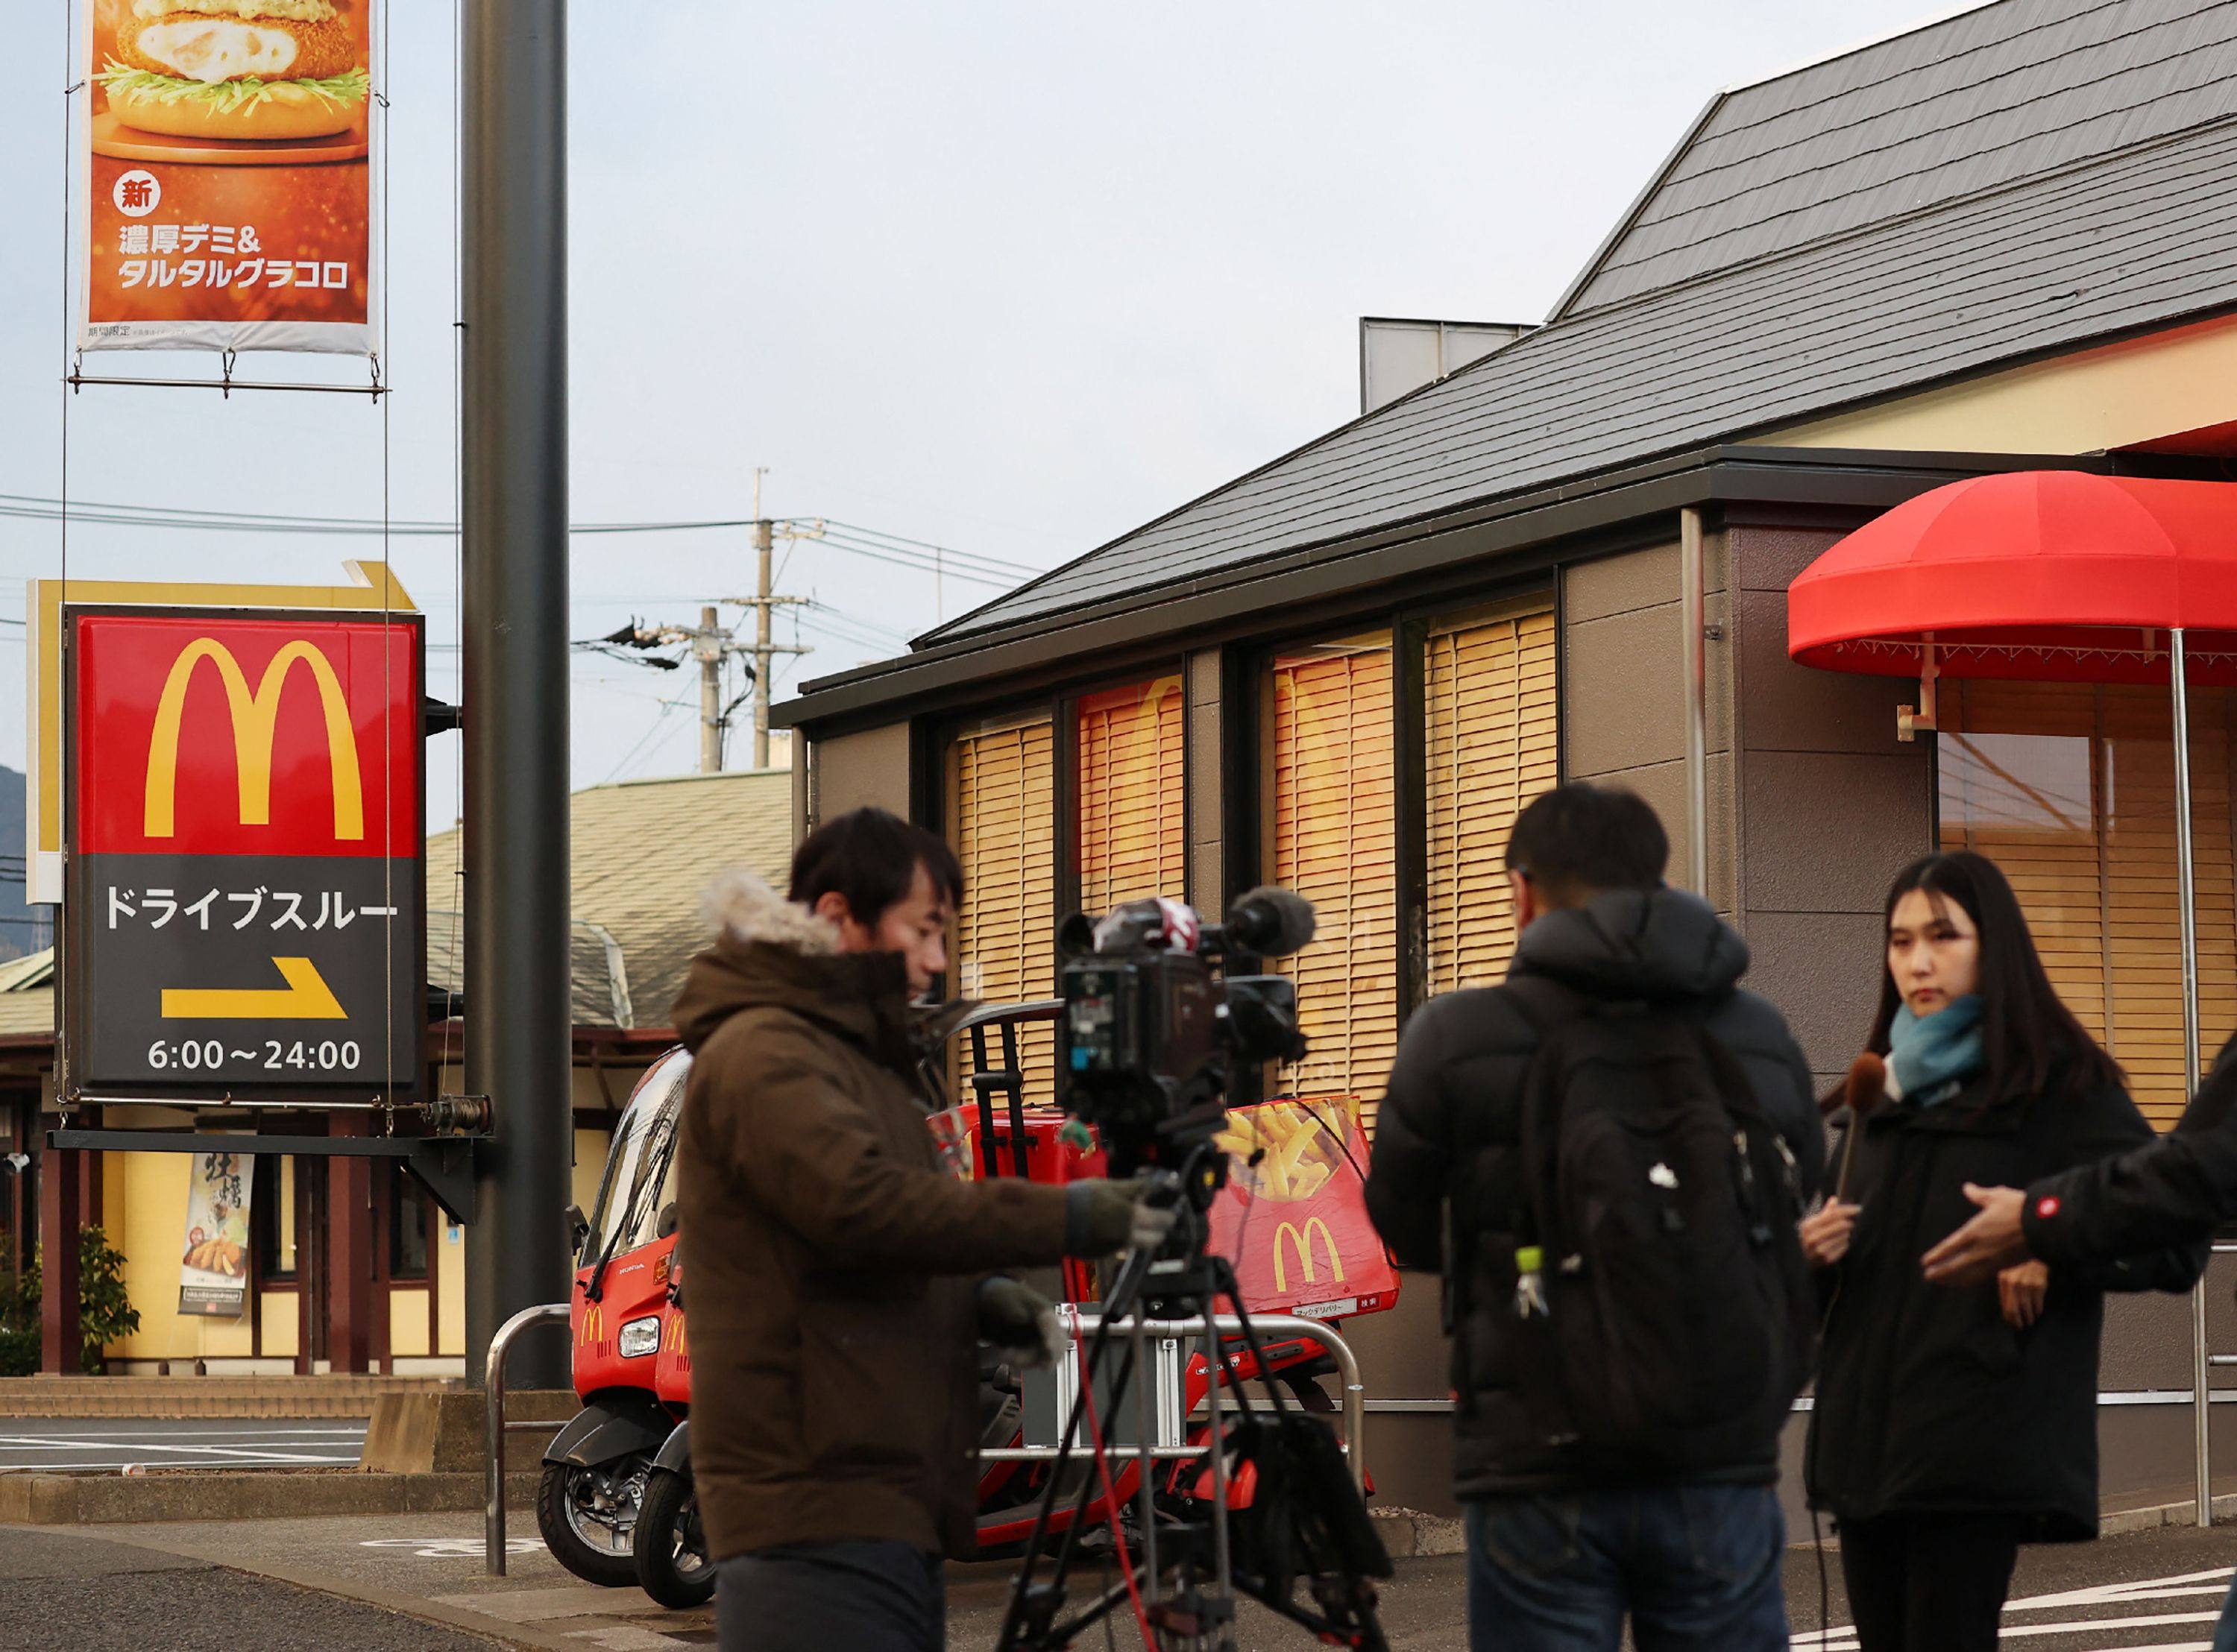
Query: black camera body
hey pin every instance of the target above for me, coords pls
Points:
(1153, 1025)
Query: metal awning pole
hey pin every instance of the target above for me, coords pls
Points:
(2187, 886)
(1694, 616)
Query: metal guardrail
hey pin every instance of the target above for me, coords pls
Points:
(1271, 1325)
(493, 1392)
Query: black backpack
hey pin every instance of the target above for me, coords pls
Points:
(1671, 1312)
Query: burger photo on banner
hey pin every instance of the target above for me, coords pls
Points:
(227, 157)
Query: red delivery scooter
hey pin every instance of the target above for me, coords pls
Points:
(596, 1471)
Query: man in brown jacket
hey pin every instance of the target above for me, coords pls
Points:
(838, 1271)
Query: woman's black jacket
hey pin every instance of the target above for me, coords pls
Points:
(1927, 1400)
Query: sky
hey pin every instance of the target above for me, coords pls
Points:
(999, 275)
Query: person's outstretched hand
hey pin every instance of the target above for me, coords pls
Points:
(1102, 1216)
(2020, 1293)
(1021, 1324)
(1984, 1246)
(1825, 1231)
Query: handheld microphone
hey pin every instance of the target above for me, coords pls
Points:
(1270, 922)
(1860, 1092)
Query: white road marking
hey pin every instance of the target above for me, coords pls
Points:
(35, 1444)
(2185, 1585)
(452, 1548)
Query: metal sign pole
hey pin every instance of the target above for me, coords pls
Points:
(2186, 882)
(513, 522)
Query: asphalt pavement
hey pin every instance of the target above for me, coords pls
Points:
(82, 1443)
(338, 1583)
(66, 1590)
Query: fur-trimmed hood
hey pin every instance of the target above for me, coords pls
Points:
(741, 904)
(769, 953)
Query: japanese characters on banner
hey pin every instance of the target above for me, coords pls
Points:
(244, 911)
(213, 1269)
(228, 168)
(1295, 1224)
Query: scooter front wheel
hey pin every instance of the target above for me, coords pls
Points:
(588, 1517)
(672, 1564)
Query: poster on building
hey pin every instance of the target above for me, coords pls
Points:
(226, 164)
(1295, 1224)
(213, 1269)
(243, 907)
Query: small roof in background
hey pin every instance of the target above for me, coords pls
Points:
(643, 852)
(27, 994)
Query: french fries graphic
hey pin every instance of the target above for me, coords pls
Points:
(1302, 1144)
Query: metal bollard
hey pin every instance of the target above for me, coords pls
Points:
(493, 1393)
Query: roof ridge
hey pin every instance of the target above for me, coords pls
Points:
(1948, 14)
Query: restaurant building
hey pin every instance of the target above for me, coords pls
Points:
(2006, 240)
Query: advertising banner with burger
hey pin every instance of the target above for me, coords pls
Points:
(226, 164)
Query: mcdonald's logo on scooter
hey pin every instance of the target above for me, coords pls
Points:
(594, 1321)
(1301, 1243)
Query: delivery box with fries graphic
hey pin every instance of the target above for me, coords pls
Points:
(1293, 1216)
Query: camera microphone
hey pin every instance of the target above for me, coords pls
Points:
(1270, 922)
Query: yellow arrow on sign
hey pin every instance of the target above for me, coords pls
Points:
(306, 998)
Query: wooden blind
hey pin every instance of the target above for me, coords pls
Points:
(1330, 820)
(1131, 809)
(2070, 788)
(1001, 794)
(1490, 745)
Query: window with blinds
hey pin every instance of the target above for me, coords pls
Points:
(1490, 744)
(1001, 781)
(2070, 789)
(1330, 817)
(1131, 809)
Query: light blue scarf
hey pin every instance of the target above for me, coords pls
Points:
(1932, 1056)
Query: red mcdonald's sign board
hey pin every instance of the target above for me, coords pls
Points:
(1296, 1225)
(244, 909)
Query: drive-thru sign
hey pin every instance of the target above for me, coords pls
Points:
(244, 911)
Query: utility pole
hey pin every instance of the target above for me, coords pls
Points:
(707, 646)
(764, 604)
(513, 474)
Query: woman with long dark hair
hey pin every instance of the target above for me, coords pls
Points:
(1952, 1425)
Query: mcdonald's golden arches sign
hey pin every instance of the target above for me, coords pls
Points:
(244, 910)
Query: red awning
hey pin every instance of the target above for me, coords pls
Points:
(2040, 574)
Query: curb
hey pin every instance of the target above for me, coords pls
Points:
(2123, 1521)
(169, 1398)
(250, 1494)
(1407, 1534)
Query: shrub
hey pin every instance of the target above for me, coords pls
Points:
(105, 1310)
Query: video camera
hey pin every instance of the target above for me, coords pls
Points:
(1152, 1023)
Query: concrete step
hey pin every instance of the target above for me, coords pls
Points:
(178, 1397)
(36, 1499)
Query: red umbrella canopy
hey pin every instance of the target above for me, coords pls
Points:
(2041, 575)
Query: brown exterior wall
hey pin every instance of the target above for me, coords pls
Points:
(1623, 691)
(1831, 806)
(870, 767)
(1207, 841)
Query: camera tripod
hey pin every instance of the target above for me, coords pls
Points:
(1303, 1519)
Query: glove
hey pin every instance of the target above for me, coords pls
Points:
(1021, 1324)
(1100, 1217)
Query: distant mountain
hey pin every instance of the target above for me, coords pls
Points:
(23, 928)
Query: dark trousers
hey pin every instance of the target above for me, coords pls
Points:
(1929, 1582)
(860, 1596)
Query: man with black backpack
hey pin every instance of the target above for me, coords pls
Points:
(1606, 1157)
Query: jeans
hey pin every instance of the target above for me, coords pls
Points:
(1695, 1567)
(2225, 1633)
(862, 1596)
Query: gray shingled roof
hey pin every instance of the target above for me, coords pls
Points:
(1971, 102)
(2132, 240)
(643, 853)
